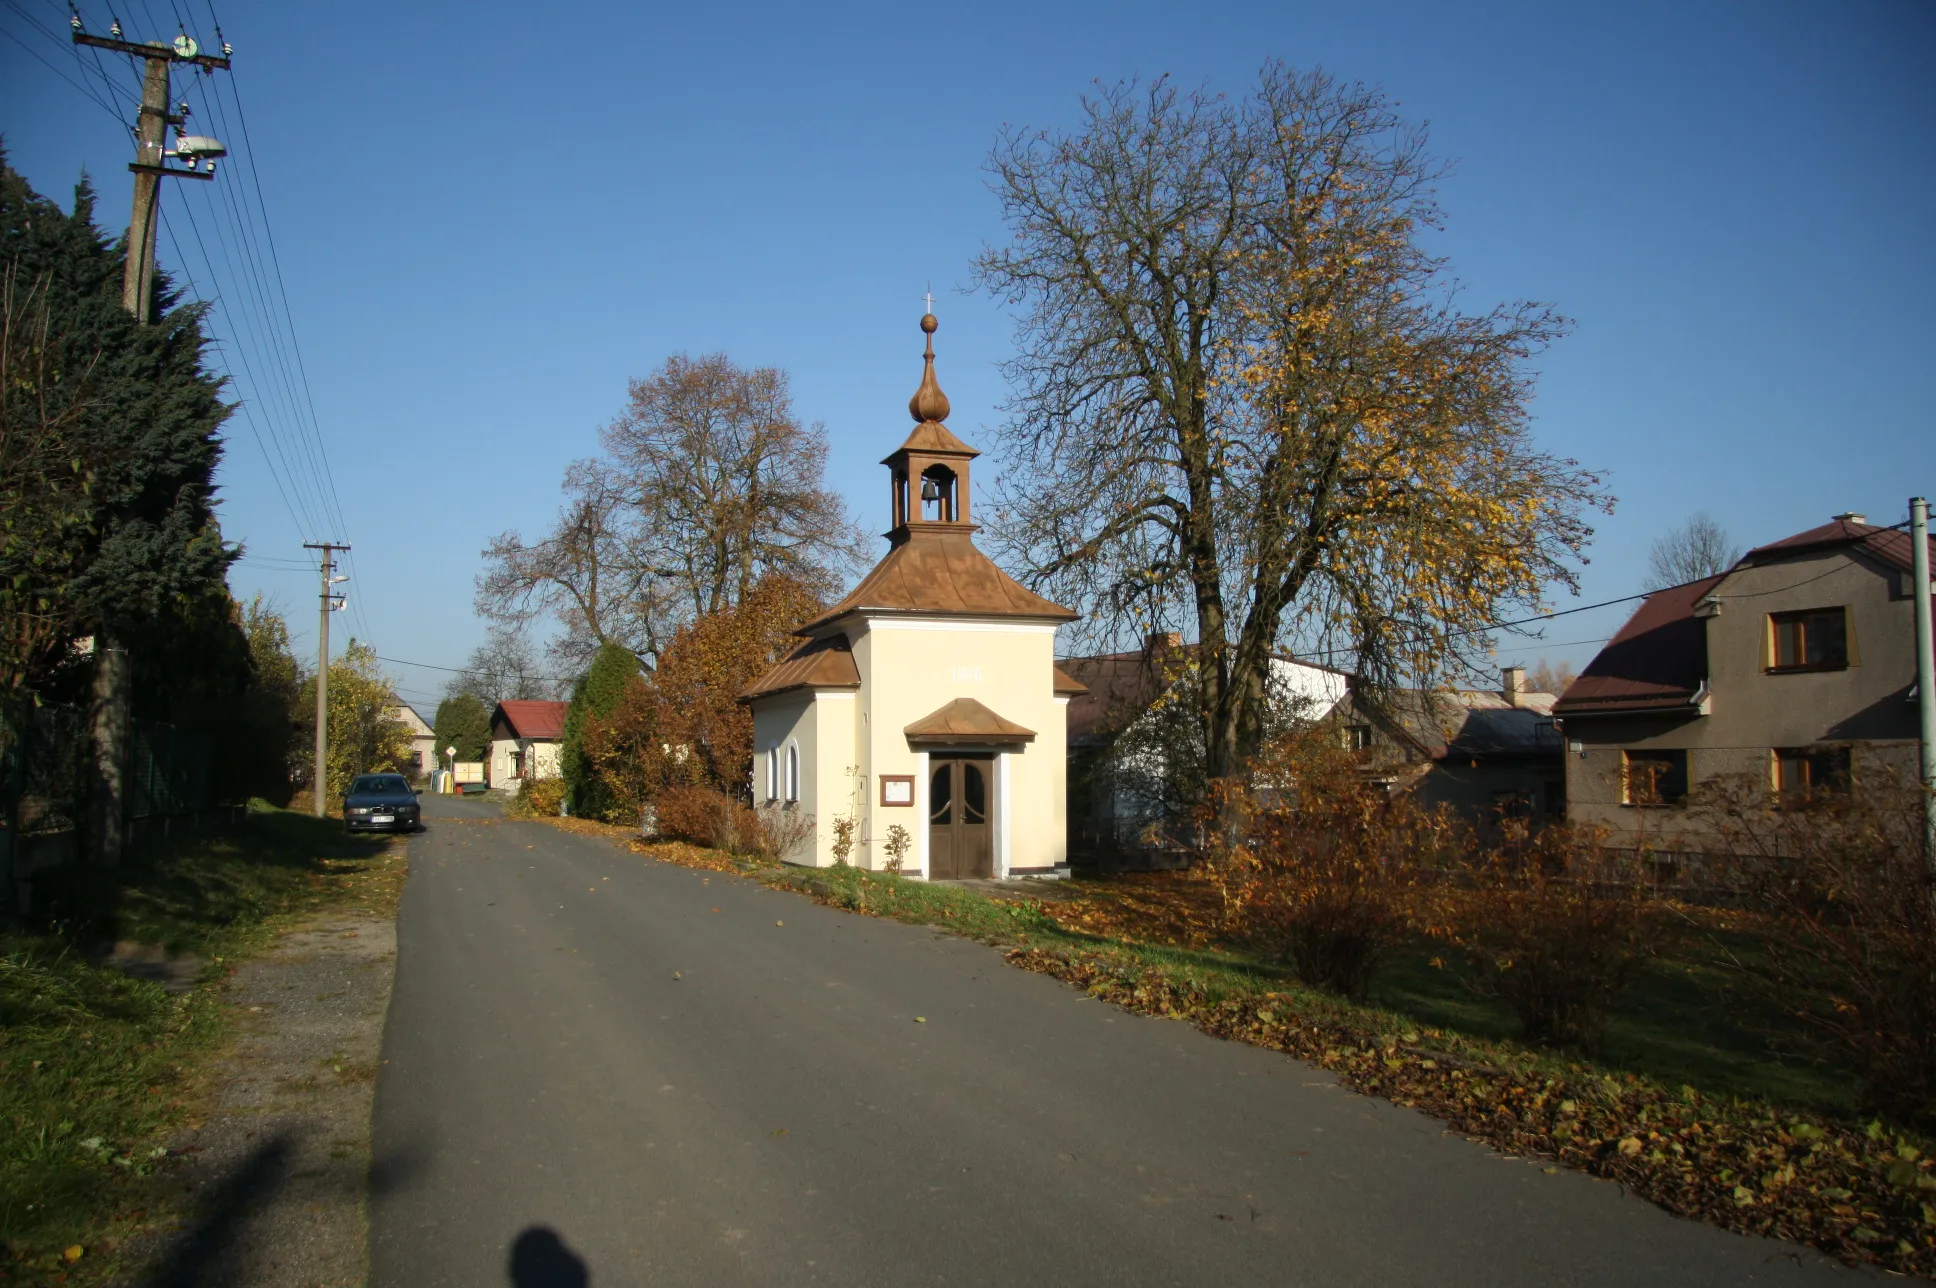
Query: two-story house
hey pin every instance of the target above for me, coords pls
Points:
(1795, 669)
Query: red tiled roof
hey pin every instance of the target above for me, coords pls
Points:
(1658, 660)
(817, 664)
(1890, 545)
(530, 719)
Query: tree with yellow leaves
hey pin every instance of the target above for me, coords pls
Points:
(1247, 397)
(364, 737)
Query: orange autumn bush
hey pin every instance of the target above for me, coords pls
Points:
(1318, 865)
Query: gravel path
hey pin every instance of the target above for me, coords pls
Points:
(277, 1185)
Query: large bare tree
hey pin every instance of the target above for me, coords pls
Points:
(1247, 398)
(708, 482)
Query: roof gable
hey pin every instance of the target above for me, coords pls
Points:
(532, 719)
(966, 721)
(941, 574)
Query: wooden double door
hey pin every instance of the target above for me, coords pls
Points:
(961, 794)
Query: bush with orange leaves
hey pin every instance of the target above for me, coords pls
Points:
(1318, 865)
(681, 726)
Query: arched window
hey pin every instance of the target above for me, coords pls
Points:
(793, 772)
(773, 771)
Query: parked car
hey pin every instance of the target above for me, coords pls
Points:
(381, 803)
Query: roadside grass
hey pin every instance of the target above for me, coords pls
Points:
(1687, 1104)
(96, 1067)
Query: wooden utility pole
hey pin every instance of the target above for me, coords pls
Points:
(113, 669)
(319, 796)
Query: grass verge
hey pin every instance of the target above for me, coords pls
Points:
(97, 1068)
(1761, 1164)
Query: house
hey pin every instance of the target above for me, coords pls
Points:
(1127, 805)
(526, 738)
(423, 743)
(1487, 753)
(926, 705)
(1794, 670)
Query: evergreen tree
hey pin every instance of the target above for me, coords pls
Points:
(595, 697)
(464, 723)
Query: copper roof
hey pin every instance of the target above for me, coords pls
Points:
(817, 664)
(1657, 661)
(1068, 684)
(940, 574)
(933, 437)
(531, 719)
(966, 721)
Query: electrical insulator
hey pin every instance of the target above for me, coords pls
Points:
(115, 29)
(75, 22)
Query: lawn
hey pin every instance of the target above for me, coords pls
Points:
(96, 1067)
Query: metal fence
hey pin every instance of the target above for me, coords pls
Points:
(45, 777)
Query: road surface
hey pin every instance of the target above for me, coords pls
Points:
(602, 1069)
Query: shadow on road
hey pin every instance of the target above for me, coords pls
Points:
(200, 1257)
(540, 1259)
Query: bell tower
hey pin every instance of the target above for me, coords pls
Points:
(929, 472)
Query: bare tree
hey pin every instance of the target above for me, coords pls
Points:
(1698, 548)
(1246, 396)
(709, 482)
(504, 666)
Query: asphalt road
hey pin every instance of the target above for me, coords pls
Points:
(603, 1069)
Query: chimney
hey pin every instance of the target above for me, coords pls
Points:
(1512, 683)
(1162, 641)
(1850, 517)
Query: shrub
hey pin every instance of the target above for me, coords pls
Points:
(844, 826)
(1317, 865)
(1848, 934)
(899, 839)
(1553, 927)
(779, 833)
(539, 798)
(696, 814)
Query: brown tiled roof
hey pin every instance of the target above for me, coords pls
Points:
(531, 719)
(1657, 661)
(1889, 545)
(932, 436)
(942, 574)
(1067, 685)
(817, 664)
(966, 721)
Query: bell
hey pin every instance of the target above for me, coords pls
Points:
(928, 490)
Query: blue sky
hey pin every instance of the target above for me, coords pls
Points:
(487, 221)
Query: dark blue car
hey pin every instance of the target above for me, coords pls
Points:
(381, 803)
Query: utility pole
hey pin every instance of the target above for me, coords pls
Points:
(331, 602)
(1925, 670)
(113, 668)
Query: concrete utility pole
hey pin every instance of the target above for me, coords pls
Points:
(319, 794)
(1925, 670)
(113, 669)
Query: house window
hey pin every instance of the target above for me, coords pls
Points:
(1653, 778)
(773, 771)
(1357, 737)
(1805, 773)
(793, 773)
(1816, 640)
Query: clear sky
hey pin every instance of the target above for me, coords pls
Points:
(488, 218)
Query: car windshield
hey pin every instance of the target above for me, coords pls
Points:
(378, 783)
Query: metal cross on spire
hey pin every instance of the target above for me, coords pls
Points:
(929, 297)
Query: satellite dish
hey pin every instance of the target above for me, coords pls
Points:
(185, 46)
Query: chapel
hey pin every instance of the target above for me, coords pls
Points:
(926, 705)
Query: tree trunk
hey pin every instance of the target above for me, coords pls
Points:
(107, 828)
